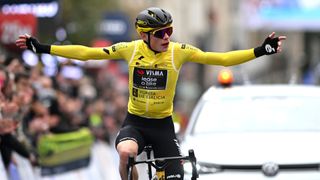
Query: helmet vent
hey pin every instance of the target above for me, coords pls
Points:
(154, 15)
(151, 13)
(164, 14)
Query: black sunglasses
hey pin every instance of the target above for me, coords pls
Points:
(160, 33)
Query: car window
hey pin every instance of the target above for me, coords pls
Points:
(259, 114)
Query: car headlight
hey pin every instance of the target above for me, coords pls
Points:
(202, 168)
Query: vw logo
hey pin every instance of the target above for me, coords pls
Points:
(270, 169)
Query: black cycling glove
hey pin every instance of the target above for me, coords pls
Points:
(269, 46)
(34, 45)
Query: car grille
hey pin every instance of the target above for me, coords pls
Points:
(268, 169)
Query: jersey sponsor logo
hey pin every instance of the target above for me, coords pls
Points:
(140, 72)
(186, 46)
(154, 72)
(144, 94)
(139, 100)
(135, 92)
(151, 79)
(174, 176)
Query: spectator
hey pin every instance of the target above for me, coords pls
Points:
(9, 118)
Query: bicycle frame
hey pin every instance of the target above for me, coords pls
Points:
(160, 169)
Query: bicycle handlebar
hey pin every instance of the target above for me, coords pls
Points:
(191, 158)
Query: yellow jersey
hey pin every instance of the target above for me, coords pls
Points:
(153, 76)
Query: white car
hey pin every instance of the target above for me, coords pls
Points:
(256, 132)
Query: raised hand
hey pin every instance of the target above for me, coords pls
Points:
(31, 43)
(21, 42)
(271, 45)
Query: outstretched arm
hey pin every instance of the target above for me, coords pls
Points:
(271, 45)
(68, 51)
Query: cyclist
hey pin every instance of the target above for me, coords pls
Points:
(154, 63)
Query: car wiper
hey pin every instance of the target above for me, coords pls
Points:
(268, 169)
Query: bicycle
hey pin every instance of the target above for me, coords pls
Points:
(165, 161)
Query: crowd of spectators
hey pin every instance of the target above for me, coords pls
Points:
(33, 103)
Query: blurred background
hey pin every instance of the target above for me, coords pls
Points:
(94, 93)
(211, 25)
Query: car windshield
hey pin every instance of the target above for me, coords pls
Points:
(259, 114)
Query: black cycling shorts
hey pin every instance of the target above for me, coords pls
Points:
(159, 133)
